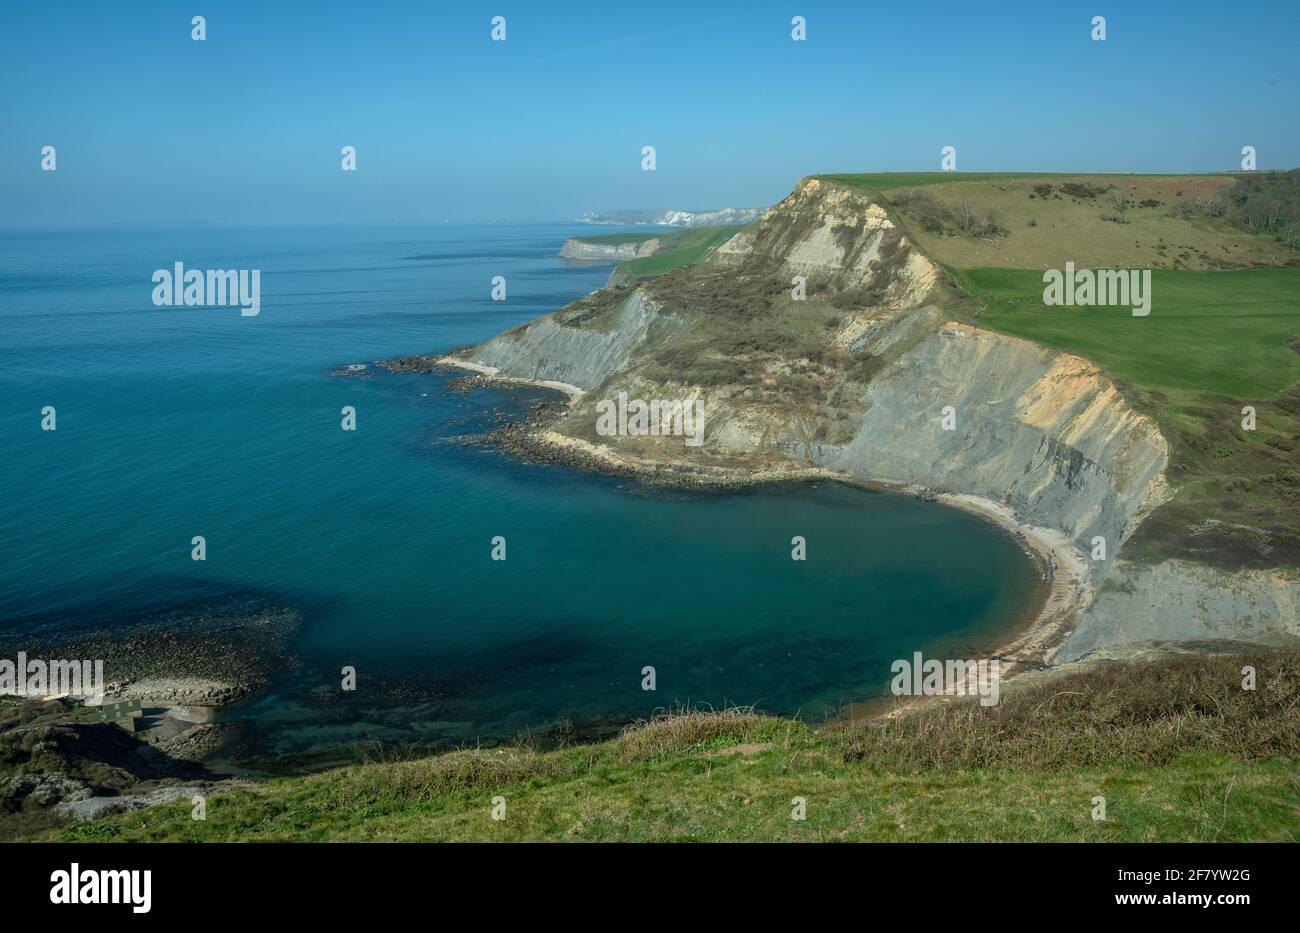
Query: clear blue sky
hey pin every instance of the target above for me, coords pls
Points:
(246, 127)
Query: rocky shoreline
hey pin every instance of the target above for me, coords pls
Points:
(166, 677)
(209, 656)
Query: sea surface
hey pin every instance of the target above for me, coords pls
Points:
(176, 422)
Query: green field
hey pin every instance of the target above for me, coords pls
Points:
(1096, 221)
(677, 249)
(1222, 332)
(1178, 750)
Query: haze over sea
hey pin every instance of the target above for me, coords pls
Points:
(175, 422)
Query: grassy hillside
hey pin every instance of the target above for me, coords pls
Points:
(1177, 748)
(889, 181)
(968, 220)
(676, 250)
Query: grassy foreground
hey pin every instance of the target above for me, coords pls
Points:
(1177, 748)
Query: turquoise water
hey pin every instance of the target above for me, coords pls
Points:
(175, 422)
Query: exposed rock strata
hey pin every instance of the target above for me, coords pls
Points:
(546, 350)
(1181, 601)
(1043, 433)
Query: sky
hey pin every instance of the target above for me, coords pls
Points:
(246, 127)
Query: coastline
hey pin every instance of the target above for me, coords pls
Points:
(1032, 642)
(492, 373)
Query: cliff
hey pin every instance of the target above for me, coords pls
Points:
(879, 371)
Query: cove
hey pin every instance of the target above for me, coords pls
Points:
(175, 425)
(606, 577)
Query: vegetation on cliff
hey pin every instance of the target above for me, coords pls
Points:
(676, 250)
(1214, 344)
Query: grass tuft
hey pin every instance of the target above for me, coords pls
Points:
(676, 731)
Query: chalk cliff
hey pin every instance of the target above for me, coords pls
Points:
(674, 218)
(578, 248)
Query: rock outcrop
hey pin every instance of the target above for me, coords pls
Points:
(820, 230)
(548, 350)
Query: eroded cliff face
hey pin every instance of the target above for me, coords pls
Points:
(1043, 432)
(858, 376)
(547, 350)
(1182, 601)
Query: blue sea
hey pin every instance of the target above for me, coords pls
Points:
(176, 422)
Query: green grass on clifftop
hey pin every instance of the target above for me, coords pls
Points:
(1223, 332)
(678, 249)
(888, 181)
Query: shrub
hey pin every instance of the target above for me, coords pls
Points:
(924, 210)
(1265, 203)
